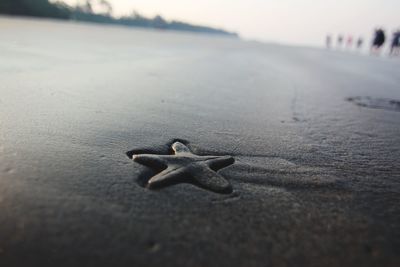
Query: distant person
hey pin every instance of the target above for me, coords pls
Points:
(395, 45)
(349, 42)
(339, 40)
(378, 41)
(360, 42)
(328, 41)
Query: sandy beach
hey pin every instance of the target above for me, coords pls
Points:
(315, 136)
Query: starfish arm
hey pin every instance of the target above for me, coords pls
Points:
(211, 180)
(152, 161)
(167, 176)
(178, 148)
(220, 162)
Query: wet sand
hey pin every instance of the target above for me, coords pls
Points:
(314, 134)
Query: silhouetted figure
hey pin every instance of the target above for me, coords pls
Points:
(395, 45)
(349, 42)
(328, 41)
(339, 40)
(360, 42)
(379, 40)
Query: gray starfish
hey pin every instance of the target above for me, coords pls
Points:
(184, 166)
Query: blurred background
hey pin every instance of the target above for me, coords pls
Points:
(339, 24)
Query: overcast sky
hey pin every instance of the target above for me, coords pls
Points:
(304, 22)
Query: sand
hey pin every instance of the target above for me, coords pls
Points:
(314, 134)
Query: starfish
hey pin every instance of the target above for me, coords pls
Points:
(184, 166)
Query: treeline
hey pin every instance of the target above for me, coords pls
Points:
(86, 12)
(35, 8)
